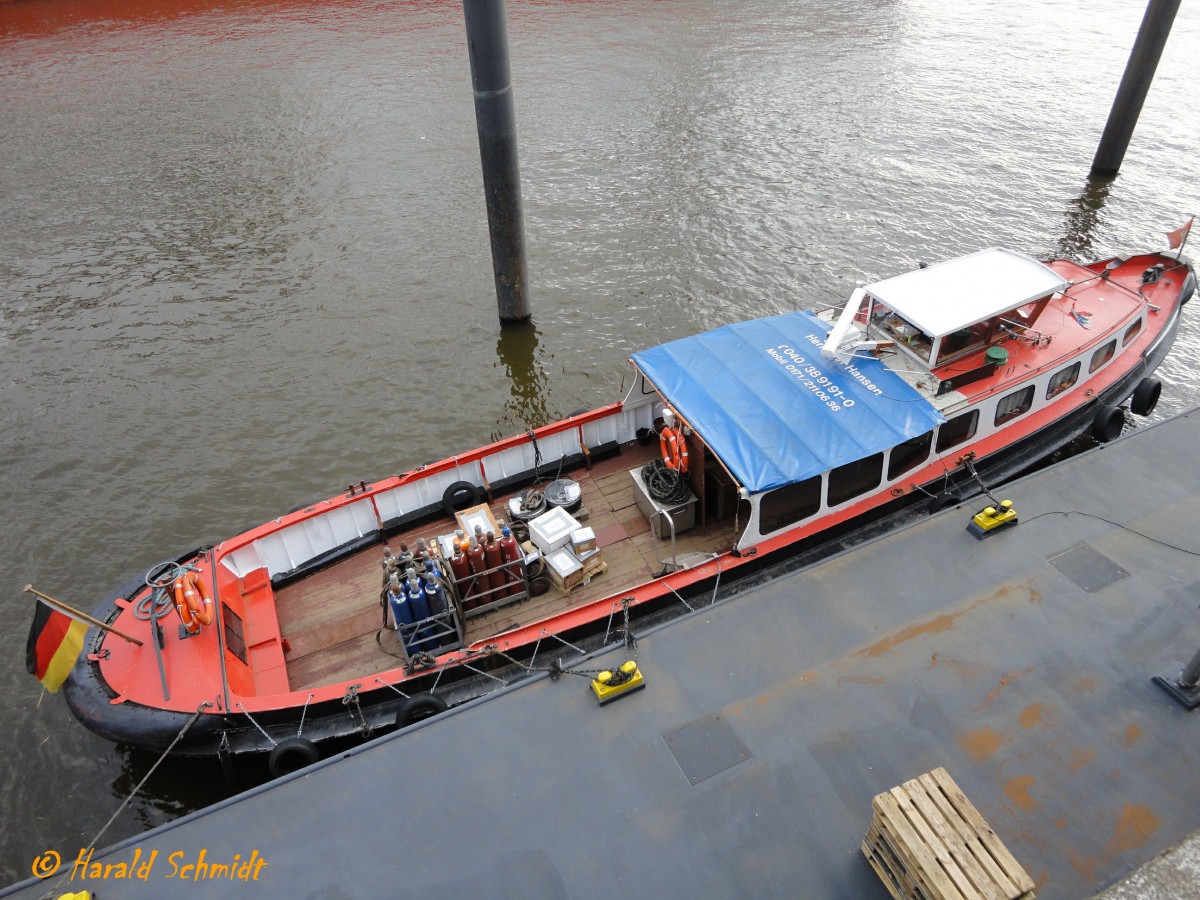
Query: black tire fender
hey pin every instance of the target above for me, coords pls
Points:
(1108, 423)
(291, 755)
(1145, 397)
(455, 495)
(416, 709)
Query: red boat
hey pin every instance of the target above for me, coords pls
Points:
(925, 389)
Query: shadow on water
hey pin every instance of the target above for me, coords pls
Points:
(1084, 218)
(519, 352)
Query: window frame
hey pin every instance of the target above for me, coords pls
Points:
(789, 513)
(1024, 404)
(973, 415)
(1107, 351)
(906, 466)
(855, 489)
(1053, 390)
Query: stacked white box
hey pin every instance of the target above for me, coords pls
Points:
(552, 529)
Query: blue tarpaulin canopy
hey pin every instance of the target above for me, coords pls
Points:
(773, 409)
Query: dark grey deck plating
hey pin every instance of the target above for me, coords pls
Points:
(921, 649)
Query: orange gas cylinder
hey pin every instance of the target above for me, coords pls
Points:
(510, 553)
(478, 583)
(495, 558)
(461, 570)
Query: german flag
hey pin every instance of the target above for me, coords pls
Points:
(55, 642)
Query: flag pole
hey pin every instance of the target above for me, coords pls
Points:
(1187, 234)
(76, 614)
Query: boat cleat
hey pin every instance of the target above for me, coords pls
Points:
(611, 685)
(991, 519)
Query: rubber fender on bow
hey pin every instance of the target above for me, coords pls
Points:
(460, 496)
(291, 755)
(1145, 397)
(1108, 423)
(416, 709)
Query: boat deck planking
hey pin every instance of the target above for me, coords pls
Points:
(331, 619)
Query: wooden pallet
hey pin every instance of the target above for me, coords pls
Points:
(928, 842)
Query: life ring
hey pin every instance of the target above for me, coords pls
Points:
(673, 446)
(1108, 423)
(201, 605)
(291, 755)
(455, 495)
(184, 603)
(417, 709)
(1145, 397)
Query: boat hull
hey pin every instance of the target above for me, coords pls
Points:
(369, 707)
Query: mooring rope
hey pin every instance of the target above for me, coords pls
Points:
(99, 834)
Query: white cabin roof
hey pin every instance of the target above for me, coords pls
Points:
(945, 297)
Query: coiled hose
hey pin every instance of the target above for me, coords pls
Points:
(665, 485)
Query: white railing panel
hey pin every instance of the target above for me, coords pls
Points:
(318, 532)
(274, 554)
(508, 462)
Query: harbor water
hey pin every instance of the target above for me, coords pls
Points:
(245, 254)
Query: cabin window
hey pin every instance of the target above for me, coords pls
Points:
(852, 479)
(959, 429)
(789, 504)
(1014, 404)
(908, 455)
(1131, 332)
(1101, 356)
(1061, 380)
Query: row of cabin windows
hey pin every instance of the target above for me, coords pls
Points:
(791, 503)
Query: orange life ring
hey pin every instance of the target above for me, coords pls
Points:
(202, 611)
(190, 625)
(674, 449)
(193, 601)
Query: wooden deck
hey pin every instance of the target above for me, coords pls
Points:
(332, 621)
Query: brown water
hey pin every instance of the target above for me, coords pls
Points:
(245, 258)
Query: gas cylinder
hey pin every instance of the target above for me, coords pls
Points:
(387, 555)
(510, 553)
(405, 557)
(390, 568)
(398, 601)
(416, 596)
(494, 559)
(461, 568)
(479, 582)
(419, 604)
(435, 596)
(421, 553)
(460, 540)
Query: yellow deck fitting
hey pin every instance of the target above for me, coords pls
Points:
(611, 685)
(990, 520)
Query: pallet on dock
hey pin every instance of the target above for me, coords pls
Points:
(926, 840)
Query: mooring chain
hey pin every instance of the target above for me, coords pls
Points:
(274, 743)
(970, 464)
(352, 698)
(303, 712)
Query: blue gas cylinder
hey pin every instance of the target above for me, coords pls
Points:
(398, 600)
(435, 595)
(417, 601)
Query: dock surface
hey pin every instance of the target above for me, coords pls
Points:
(747, 766)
